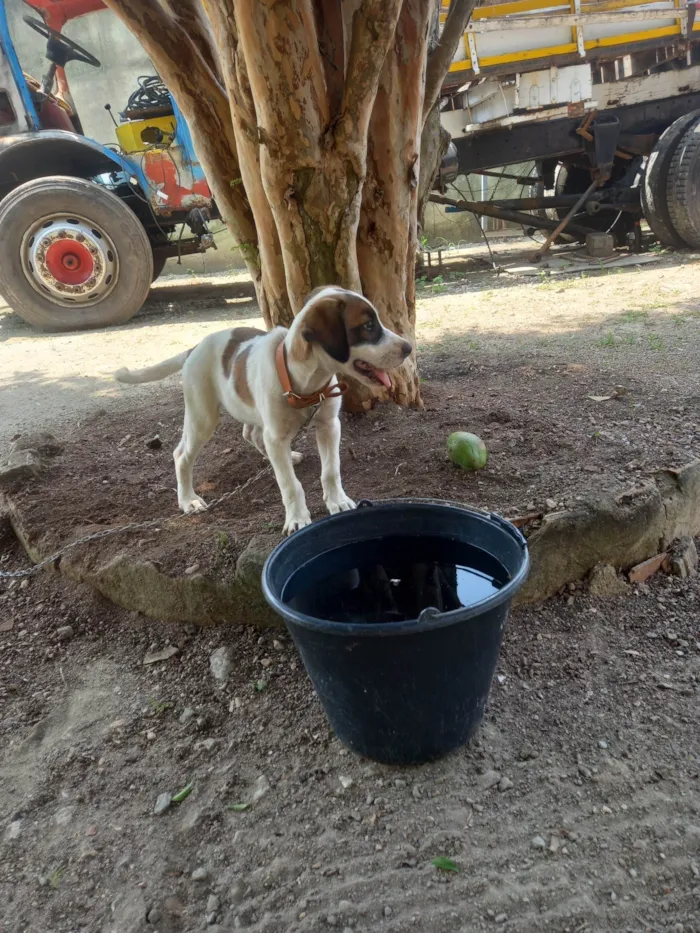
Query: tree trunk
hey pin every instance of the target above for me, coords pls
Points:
(387, 236)
(307, 119)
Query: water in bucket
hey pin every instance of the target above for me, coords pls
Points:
(392, 579)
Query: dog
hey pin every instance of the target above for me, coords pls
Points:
(268, 381)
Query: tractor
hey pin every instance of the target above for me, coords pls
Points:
(86, 227)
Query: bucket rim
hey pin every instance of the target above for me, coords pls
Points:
(429, 621)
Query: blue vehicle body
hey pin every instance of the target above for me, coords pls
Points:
(151, 168)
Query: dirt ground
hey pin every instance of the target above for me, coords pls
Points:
(576, 809)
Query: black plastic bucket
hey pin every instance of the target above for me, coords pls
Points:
(410, 691)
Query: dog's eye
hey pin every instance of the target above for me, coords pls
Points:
(369, 326)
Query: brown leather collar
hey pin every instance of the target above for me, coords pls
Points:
(303, 401)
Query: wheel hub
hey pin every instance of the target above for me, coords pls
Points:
(70, 260)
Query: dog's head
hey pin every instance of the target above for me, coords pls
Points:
(345, 326)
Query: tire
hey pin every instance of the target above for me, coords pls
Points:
(683, 186)
(655, 187)
(90, 232)
(158, 266)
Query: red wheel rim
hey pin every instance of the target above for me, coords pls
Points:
(69, 262)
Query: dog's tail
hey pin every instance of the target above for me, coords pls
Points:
(153, 373)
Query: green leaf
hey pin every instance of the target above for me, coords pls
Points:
(260, 685)
(445, 864)
(237, 807)
(184, 793)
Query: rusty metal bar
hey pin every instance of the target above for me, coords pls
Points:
(565, 200)
(564, 222)
(488, 209)
(521, 179)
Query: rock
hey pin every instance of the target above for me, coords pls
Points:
(155, 915)
(153, 657)
(64, 633)
(527, 753)
(346, 782)
(213, 904)
(551, 504)
(209, 744)
(155, 443)
(604, 581)
(602, 744)
(617, 529)
(193, 568)
(505, 784)
(201, 874)
(500, 918)
(388, 912)
(162, 803)
(19, 467)
(260, 788)
(600, 245)
(221, 664)
(13, 831)
(488, 779)
(537, 842)
(186, 715)
(64, 816)
(237, 893)
(129, 911)
(684, 558)
(248, 573)
(40, 442)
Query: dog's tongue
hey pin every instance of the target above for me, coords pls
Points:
(383, 377)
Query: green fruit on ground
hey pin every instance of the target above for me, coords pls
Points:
(467, 450)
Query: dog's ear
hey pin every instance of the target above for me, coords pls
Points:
(325, 325)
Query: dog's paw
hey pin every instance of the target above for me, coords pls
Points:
(296, 520)
(195, 504)
(339, 503)
(297, 457)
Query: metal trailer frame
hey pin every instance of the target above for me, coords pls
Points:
(539, 102)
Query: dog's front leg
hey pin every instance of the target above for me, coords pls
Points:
(328, 440)
(279, 452)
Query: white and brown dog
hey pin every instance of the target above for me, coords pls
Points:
(268, 380)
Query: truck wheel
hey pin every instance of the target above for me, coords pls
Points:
(683, 186)
(655, 187)
(574, 179)
(158, 266)
(72, 255)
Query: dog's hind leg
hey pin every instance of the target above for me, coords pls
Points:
(201, 419)
(254, 435)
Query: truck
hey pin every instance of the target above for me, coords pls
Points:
(602, 97)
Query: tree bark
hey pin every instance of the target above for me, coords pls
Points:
(272, 293)
(434, 138)
(307, 119)
(388, 235)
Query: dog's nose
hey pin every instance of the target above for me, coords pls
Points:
(406, 349)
